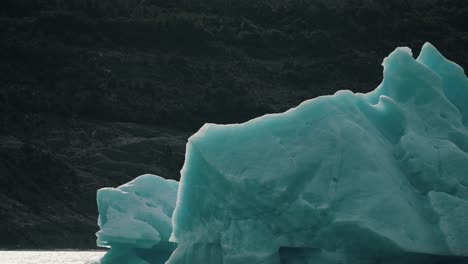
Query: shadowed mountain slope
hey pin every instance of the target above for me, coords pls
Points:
(94, 93)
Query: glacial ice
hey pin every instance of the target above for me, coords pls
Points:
(135, 220)
(348, 178)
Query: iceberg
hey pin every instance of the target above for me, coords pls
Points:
(348, 178)
(135, 220)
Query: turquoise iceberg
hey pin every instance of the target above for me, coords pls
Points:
(135, 220)
(348, 178)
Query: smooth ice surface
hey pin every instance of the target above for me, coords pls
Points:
(348, 178)
(135, 220)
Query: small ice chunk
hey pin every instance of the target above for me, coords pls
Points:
(136, 217)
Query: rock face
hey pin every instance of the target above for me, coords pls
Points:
(40, 194)
(65, 167)
(96, 92)
(354, 178)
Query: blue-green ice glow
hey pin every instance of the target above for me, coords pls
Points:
(135, 220)
(348, 178)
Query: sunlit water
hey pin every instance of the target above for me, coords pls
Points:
(49, 257)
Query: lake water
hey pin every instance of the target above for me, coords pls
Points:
(49, 257)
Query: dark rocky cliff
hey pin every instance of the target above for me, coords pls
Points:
(94, 93)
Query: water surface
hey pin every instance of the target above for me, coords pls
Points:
(49, 257)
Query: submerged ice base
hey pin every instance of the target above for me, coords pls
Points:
(348, 178)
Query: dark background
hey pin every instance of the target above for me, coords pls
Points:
(96, 92)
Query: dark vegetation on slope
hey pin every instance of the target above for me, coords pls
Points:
(96, 92)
